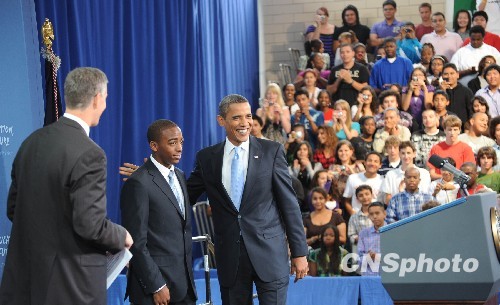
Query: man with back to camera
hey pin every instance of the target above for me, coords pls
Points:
(254, 208)
(155, 209)
(57, 205)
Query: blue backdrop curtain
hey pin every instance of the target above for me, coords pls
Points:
(164, 59)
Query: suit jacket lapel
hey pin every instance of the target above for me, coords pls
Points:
(254, 160)
(163, 185)
(218, 156)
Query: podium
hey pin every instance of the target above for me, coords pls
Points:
(449, 254)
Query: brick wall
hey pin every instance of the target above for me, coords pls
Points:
(284, 22)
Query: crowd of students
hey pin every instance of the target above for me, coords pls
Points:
(368, 110)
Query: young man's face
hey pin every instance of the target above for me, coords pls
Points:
(452, 134)
(377, 215)
(392, 151)
(451, 75)
(486, 162)
(302, 100)
(440, 102)
(493, 78)
(447, 176)
(479, 123)
(429, 119)
(389, 11)
(479, 20)
(412, 179)
(438, 23)
(365, 197)
(390, 49)
(346, 54)
(476, 40)
(407, 155)
(372, 164)
(425, 13)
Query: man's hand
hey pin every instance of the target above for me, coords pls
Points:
(128, 240)
(299, 268)
(128, 169)
(162, 297)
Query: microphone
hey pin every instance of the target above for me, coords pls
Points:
(460, 177)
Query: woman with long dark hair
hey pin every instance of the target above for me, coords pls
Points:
(462, 23)
(327, 260)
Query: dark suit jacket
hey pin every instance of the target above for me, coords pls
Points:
(269, 211)
(162, 238)
(57, 204)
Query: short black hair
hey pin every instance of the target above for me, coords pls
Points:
(450, 65)
(157, 127)
(480, 13)
(374, 153)
(491, 67)
(363, 187)
(377, 204)
(477, 29)
(258, 119)
(301, 92)
(389, 2)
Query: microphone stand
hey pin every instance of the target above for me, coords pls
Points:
(209, 248)
(462, 181)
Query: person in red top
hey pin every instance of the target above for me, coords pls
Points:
(451, 146)
(481, 18)
(470, 169)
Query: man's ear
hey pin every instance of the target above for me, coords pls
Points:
(154, 146)
(220, 120)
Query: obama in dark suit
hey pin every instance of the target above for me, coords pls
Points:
(256, 213)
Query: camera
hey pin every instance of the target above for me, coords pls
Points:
(337, 113)
(342, 168)
(415, 79)
(379, 57)
(365, 97)
(407, 30)
(446, 79)
(298, 134)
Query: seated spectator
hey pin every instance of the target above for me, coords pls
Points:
(370, 177)
(467, 58)
(473, 186)
(392, 160)
(391, 128)
(314, 46)
(289, 98)
(460, 96)
(425, 10)
(391, 69)
(445, 189)
(479, 104)
(479, 81)
(408, 202)
(487, 159)
(445, 42)
(430, 204)
(321, 217)
(325, 106)
(362, 57)
(308, 84)
(350, 22)
(427, 54)
(360, 220)
(307, 115)
(257, 126)
(451, 146)
(441, 101)
(345, 160)
(393, 181)
(436, 70)
(392, 99)
(347, 78)
(426, 138)
(323, 178)
(297, 136)
(409, 46)
(348, 37)
(327, 141)
(364, 143)
(275, 115)
(326, 261)
(417, 96)
(316, 63)
(343, 125)
(387, 28)
(303, 166)
(481, 18)
(367, 104)
(495, 134)
(474, 136)
(462, 23)
(491, 93)
(369, 238)
(323, 30)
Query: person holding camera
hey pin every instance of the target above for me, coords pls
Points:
(417, 96)
(367, 104)
(323, 30)
(409, 46)
(343, 125)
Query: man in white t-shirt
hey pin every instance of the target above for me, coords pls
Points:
(474, 136)
(394, 183)
(373, 161)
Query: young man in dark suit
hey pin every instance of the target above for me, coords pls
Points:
(155, 211)
(57, 205)
(254, 208)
